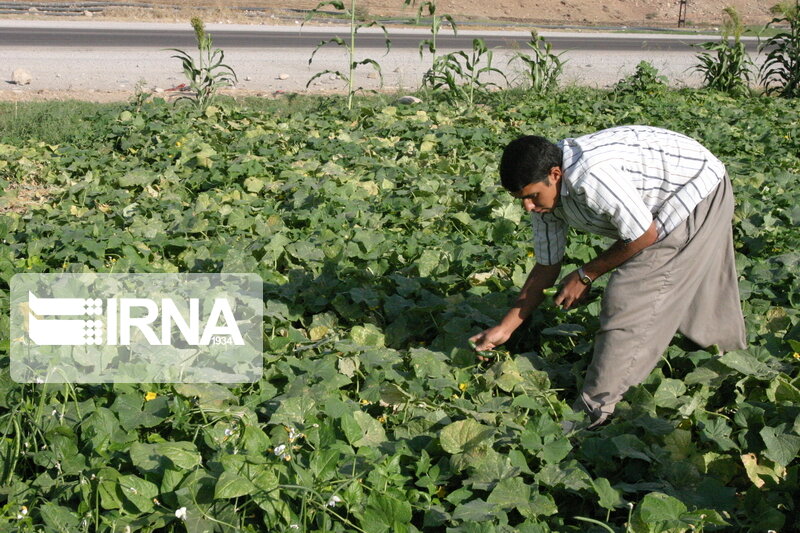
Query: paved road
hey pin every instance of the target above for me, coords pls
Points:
(308, 38)
(106, 56)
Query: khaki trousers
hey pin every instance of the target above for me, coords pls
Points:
(685, 282)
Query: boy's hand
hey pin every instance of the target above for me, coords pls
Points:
(490, 339)
(572, 291)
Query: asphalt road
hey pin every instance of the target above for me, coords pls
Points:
(43, 37)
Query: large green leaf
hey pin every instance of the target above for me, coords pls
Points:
(137, 491)
(161, 455)
(464, 435)
(232, 485)
(780, 447)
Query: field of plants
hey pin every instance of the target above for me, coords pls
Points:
(384, 240)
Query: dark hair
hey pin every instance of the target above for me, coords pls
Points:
(528, 160)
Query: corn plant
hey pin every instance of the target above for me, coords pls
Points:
(428, 9)
(780, 72)
(461, 73)
(542, 66)
(356, 24)
(206, 75)
(725, 65)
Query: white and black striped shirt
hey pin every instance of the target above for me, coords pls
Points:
(617, 181)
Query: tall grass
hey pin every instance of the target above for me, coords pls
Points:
(53, 122)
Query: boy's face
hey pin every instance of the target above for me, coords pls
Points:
(541, 197)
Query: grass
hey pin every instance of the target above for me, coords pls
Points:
(78, 122)
(53, 122)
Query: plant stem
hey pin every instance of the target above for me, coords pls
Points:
(352, 53)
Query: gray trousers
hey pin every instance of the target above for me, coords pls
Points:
(685, 282)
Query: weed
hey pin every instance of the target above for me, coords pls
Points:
(461, 73)
(429, 9)
(355, 14)
(780, 72)
(208, 74)
(543, 67)
(645, 80)
(725, 65)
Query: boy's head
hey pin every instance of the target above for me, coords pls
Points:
(530, 170)
(527, 160)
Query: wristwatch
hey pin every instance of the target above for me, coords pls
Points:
(586, 280)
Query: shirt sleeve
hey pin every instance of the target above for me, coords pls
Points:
(549, 238)
(613, 195)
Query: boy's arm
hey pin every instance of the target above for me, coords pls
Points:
(540, 278)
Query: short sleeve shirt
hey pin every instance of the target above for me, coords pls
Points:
(617, 181)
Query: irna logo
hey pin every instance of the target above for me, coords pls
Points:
(126, 328)
(113, 321)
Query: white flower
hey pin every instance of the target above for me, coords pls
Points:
(294, 526)
(181, 513)
(228, 432)
(293, 434)
(334, 500)
(279, 450)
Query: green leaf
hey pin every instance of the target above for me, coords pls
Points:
(464, 435)
(59, 518)
(429, 262)
(476, 511)
(137, 491)
(371, 431)
(658, 508)
(253, 184)
(158, 456)
(780, 447)
(231, 485)
(137, 177)
(368, 335)
(510, 493)
(746, 363)
(388, 512)
(293, 411)
(555, 451)
(569, 474)
(609, 497)
(209, 395)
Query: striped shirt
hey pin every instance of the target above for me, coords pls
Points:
(616, 182)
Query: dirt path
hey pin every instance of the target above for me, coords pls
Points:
(631, 13)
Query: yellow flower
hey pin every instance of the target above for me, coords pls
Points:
(462, 387)
(796, 355)
(365, 402)
(382, 419)
(150, 396)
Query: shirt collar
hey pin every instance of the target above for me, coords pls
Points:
(567, 164)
